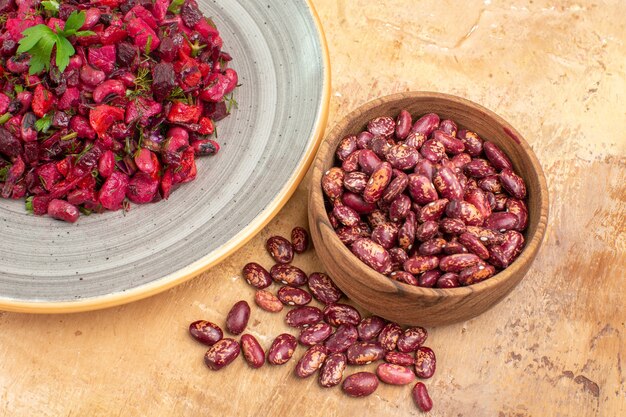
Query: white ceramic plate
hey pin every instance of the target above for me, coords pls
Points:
(279, 51)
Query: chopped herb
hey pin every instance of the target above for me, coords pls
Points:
(29, 205)
(51, 6)
(177, 94)
(83, 152)
(3, 173)
(148, 47)
(69, 136)
(5, 118)
(43, 124)
(84, 210)
(39, 40)
(18, 88)
(231, 102)
(94, 173)
(175, 6)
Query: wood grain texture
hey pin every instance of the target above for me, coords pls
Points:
(408, 304)
(555, 347)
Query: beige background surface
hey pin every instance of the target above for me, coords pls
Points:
(555, 347)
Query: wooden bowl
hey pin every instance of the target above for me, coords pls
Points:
(405, 303)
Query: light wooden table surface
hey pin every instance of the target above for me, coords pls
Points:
(555, 347)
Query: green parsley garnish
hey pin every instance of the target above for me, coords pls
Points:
(51, 6)
(175, 6)
(43, 124)
(29, 205)
(39, 40)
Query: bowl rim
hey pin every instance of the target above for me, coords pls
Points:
(220, 254)
(531, 245)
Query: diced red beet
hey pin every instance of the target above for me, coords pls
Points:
(103, 116)
(143, 34)
(183, 113)
(163, 80)
(142, 13)
(102, 58)
(142, 188)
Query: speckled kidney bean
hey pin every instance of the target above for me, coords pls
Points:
(268, 301)
(332, 370)
(315, 334)
(421, 397)
(311, 361)
(333, 220)
(282, 349)
(448, 280)
(372, 254)
(355, 181)
(396, 187)
(448, 126)
(415, 140)
(502, 221)
(460, 160)
(349, 235)
(252, 351)
(280, 249)
(433, 150)
(256, 275)
(422, 190)
(288, 275)
(404, 123)
(356, 202)
(370, 327)
(433, 246)
(474, 245)
(491, 199)
(351, 163)
(455, 263)
(426, 168)
(419, 264)
(338, 314)
(206, 332)
(346, 215)
(293, 296)
(238, 316)
(478, 199)
(345, 147)
(383, 126)
(447, 184)
(395, 374)
(378, 182)
(404, 277)
(364, 353)
(451, 144)
(425, 362)
(398, 257)
(368, 161)
(434, 210)
(386, 235)
(303, 316)
(473, 143)
(389, 335)
(426, 124)
(513, 184)
(406, 234)
(487, 236)
(360, 384)
(491, 184)
(299, 239)
(340, 341)
(476, 273)
(496, 156)
(428, 279)
(427, 230)
(323, 288)
(452, 226)
(518, 209)
(479, 168)
(500, 200)
(502, 255)
(332, 183)
(222, 354)
(402, 157)
(363, 139)
(399, 358)
(453, 247)
(411, 339)
(380, 145)
(399, 208)
(464, 211)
